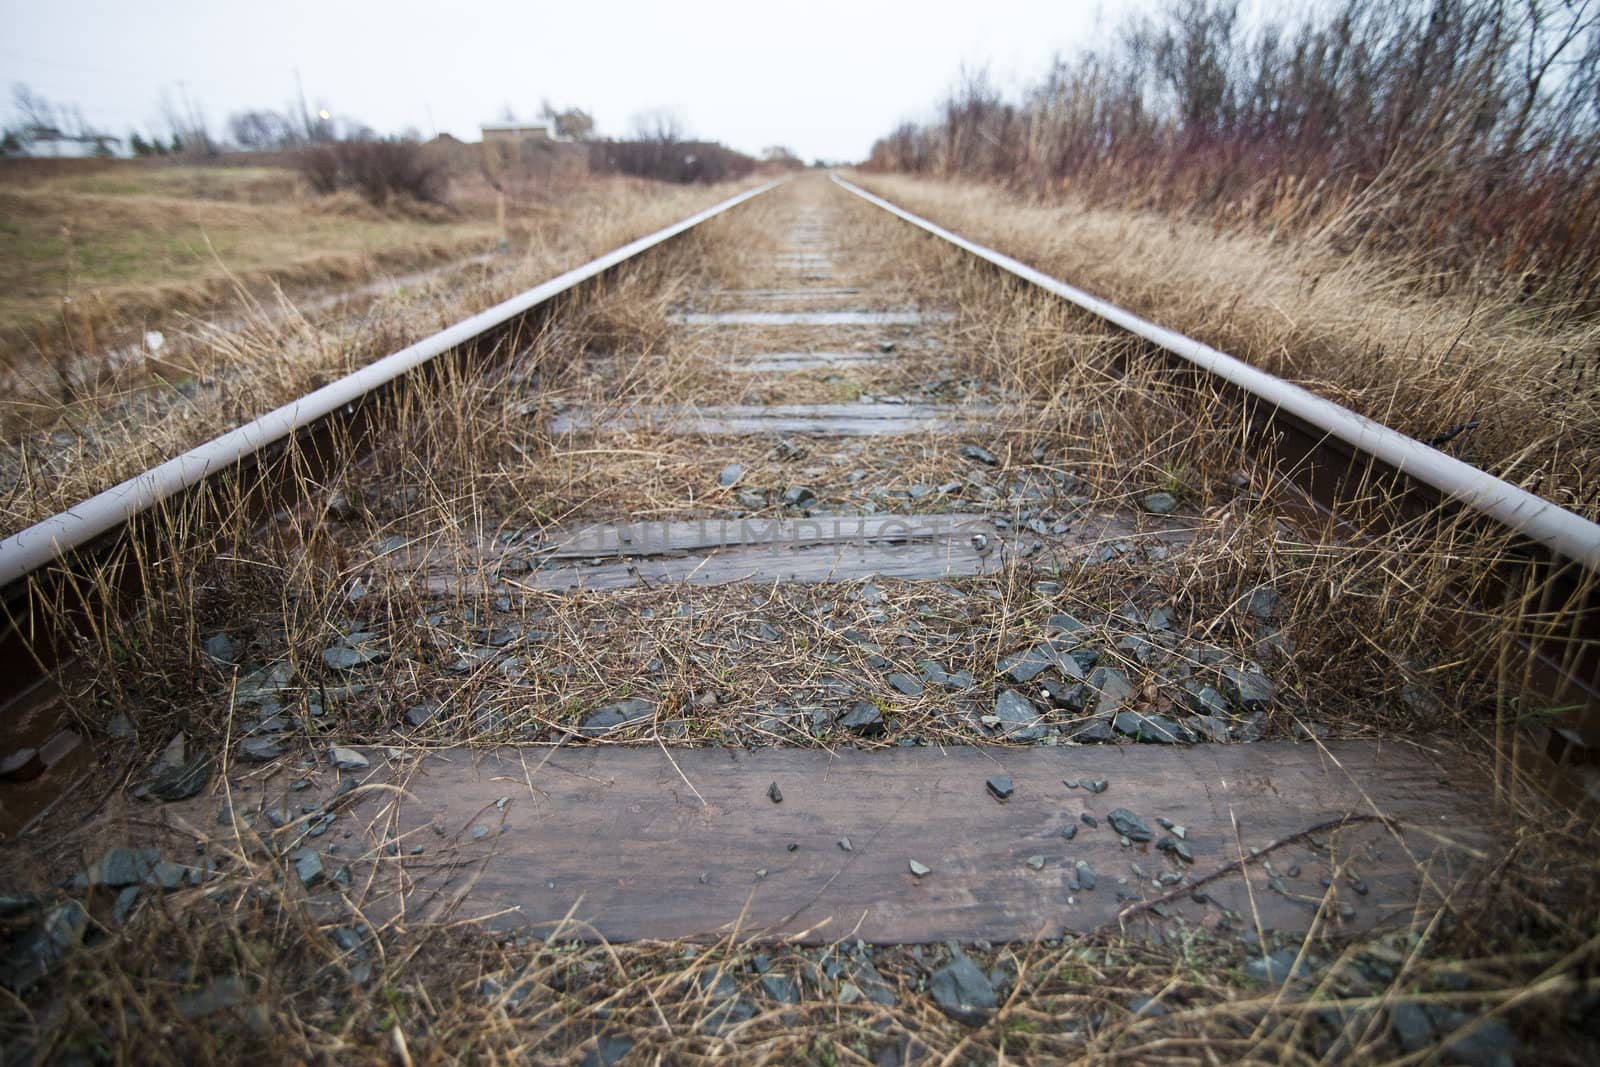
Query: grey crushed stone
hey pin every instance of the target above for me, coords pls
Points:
(25, 960)
(728, 1009)
(118, 867)
(863, 718)
(1276, 966)
(1177, 848)
(176, 774)
(1152, 728)
(1029, 663)
(1111, 686)
(1085, 874)
(907, 684)
(1202, 699)
(1492, 1043)
(1130, 825)
(419, 715)
(123, 907)
(963, 992)
(1070, 696)
(1262, 603)
(1093, 732)
(221, 649)
(627, 712)
(343, 658)
(1019, 719)
(609, 1050)
(261, 749)
(1412, 1027)
(347, 759)
(307, 866)
(781, 987)
(1248, 690)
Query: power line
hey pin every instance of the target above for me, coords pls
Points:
(22, 57)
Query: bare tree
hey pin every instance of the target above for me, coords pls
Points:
(781, 155)
(36, 112)
(662, 125)
(185, 121)
(573, 123)
(261, 128)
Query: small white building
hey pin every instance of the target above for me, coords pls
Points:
(514, 132)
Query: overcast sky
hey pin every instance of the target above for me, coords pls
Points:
(825, 77)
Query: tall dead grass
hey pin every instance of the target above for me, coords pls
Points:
(85, 434)
(1464, 132)
(1506, 387)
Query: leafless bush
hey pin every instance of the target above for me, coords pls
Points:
(262, 128)
(320, 168)
(660, 149)
(1464, 131)
(669, 160)
(378, 170)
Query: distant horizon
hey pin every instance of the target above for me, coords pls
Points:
(748, 80)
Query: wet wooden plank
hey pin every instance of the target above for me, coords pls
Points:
(699, 535)
(806, 564)
(638, 846)
(823, 420)
(780, 295)
(762, 550)
(812, 318)
(786, 362)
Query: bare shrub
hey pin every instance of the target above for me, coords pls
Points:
(1465, 133)
(660, 149)
(378, 170)
(319, 166)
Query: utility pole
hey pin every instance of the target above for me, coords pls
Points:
(305, 115)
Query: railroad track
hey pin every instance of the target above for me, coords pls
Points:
(919, 563)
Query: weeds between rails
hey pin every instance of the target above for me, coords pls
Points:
(245, 965)
(1498, 384)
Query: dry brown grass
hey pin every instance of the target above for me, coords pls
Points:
(94, 259)
(1363, 656)
(87, 432)
(1515, 389)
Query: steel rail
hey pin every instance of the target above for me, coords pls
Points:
(1562, 547)
(71, 568)
(25, 552)
(1569, 535)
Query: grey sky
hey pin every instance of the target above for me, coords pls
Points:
(825, 78)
